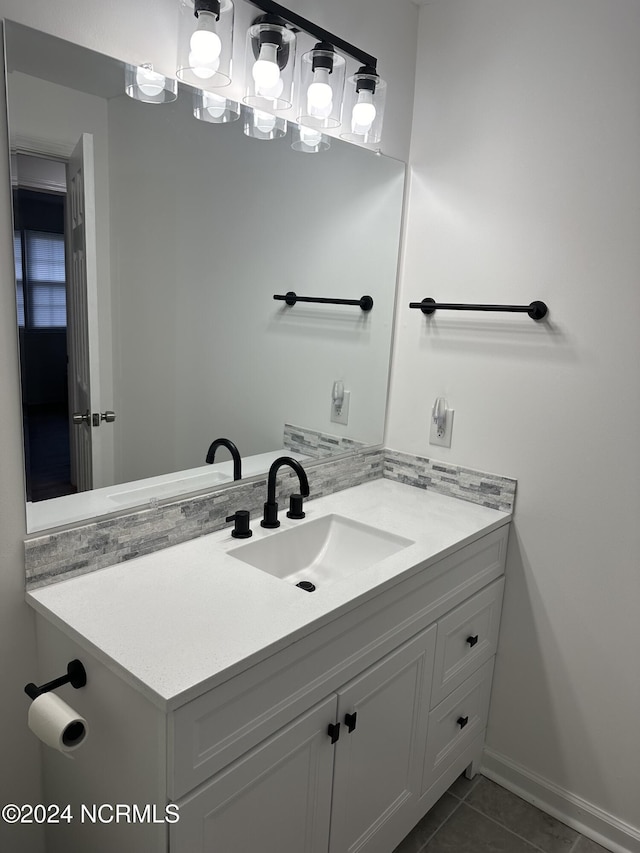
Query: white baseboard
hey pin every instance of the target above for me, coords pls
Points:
(586, 818)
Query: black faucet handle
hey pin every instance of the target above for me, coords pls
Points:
(241, 529)
(295, 507)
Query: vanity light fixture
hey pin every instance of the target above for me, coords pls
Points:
(205, 43)
(142, 83)
(262, 125)
(321, 85)
(364, 106)
(362, 117)
(214, 108)
(309, 140)
(269, 63)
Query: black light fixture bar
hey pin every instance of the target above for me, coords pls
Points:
(536, 310)
(365, 302)
(317, 32)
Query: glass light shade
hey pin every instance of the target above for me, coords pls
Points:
(363, 111)
(269, 64)
(214, 108)
(262, 125)
(320, 87)
(142, 83)
(309, 140)
(205, 43)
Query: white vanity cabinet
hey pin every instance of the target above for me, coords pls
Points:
(276, 798)
(253, 764)
(404, 672)
(378, 765)
(350, 763)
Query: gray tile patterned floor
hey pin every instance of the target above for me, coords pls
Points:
(479, 816)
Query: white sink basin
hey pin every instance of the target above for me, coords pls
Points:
(321, 551)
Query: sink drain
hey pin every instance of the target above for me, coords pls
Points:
(307, 586)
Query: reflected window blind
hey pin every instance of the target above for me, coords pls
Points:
(17, 258)
(44, 280)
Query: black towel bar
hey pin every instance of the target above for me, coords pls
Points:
(365, 302)
(536, 310)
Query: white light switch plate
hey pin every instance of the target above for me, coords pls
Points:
(444, 439)
(343, 417)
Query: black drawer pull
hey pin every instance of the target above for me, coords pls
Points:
(462, 721)
(334, 731)
(350, 721)
(472, 640)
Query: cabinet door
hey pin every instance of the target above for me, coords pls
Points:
(377, 770)
(277, 799)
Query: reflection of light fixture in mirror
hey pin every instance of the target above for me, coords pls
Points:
(142, 83)
(205, 42)
(364, 107)
(262, 125)
(208, 106)
(309, 140)
(320, 88)
(269, 63)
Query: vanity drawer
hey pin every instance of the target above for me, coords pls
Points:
(467, 637)
(456, 721)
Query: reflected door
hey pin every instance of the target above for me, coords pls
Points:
(82, 320)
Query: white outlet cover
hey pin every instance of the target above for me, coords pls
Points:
(443, 440)
(343, 417)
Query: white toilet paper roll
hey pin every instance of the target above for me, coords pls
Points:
(55, 723)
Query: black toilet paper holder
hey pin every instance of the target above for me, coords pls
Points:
(76, 676)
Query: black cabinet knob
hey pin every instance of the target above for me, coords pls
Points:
(333, 731)
(350, 721)
(462, 721)
(472, 640)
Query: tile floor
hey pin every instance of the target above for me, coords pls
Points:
(479, 816)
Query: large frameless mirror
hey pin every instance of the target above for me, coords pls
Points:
(148, 248)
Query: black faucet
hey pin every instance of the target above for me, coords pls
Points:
(270, 518)
(233, 450)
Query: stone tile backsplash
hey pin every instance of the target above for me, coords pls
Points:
(490, 490)
(65, 553)
(317, 445)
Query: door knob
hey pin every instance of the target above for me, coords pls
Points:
(93, 419)
(97, 417)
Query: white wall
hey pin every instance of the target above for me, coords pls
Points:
(138, 32)
(526, 185)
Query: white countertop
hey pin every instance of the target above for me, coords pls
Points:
(182, 620)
